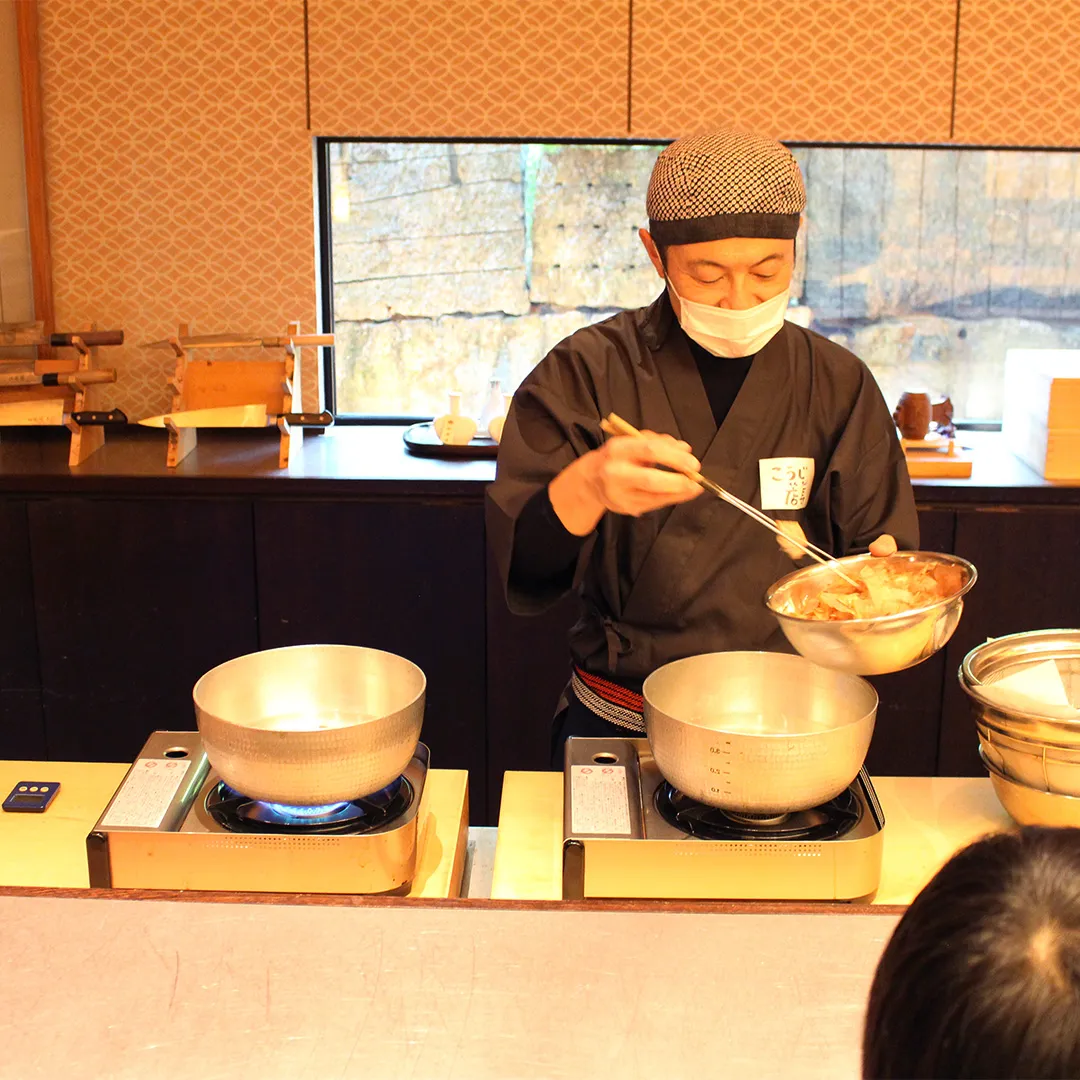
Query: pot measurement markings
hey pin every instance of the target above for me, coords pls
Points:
(722, 768)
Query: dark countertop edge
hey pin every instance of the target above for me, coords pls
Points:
(937, 495)
(372, 462)
(282, 487)
(676, 907)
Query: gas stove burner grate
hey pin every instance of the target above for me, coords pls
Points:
(827, 822)
(755, 819)
(238, 813)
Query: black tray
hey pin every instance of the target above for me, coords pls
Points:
(420, 439)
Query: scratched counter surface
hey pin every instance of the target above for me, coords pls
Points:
(130, 989)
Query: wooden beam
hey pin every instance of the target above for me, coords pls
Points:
(37, 210)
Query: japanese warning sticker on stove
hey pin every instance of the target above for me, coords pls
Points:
(599, 802)
(785, 482)
(146, 793)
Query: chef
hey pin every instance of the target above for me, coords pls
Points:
(721, 384)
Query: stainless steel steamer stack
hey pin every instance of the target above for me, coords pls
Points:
(1032, 753)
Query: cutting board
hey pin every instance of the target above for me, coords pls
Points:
(929, 458)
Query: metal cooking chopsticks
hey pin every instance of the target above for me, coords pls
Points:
(616, 425)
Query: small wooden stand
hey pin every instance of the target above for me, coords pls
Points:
(208, 384)
(77, 397)
(84, 440)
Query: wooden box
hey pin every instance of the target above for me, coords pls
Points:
(1041, 418)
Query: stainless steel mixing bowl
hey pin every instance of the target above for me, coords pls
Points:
(868, 646)
(758, 732)
(1026, 806)
(997, 658)
(311, 724)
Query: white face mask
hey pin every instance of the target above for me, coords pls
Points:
(726, 332)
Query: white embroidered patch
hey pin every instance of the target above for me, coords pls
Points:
(785, 482)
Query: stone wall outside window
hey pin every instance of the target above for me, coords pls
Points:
(454, 264)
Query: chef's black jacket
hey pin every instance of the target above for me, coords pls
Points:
(689, 579)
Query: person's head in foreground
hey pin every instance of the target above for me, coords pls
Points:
(981, 977)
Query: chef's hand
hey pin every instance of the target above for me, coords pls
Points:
(621, 476)
(883, 545)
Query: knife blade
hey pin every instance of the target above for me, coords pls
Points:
(51, 413)
(219, 341)
(235, 416)
(58, 378)
(32, 413)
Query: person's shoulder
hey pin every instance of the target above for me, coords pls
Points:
(623, 325)
(841, 390)
(828, 353)
(591, 347)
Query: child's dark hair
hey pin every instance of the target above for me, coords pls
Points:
(981, 977)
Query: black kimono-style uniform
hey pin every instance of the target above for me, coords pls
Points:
(691, 579)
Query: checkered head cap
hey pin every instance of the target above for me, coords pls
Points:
(724, 183)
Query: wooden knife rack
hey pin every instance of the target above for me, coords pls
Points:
(209, 384)
(77, 397)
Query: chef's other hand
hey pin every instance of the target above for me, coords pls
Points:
(790, 528)
(622, 477)
(883, 545)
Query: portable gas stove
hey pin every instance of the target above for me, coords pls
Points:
(628, 833)
(174, 824)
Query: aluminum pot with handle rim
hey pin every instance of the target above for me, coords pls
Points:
(758, 732)
(311, 724)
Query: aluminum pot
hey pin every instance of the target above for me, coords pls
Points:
(311, 724)
(868, 646)
(758, 732)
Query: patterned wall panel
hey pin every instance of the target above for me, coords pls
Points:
(468, 68)
(828, 70)
(1018, 69)
(179, 175)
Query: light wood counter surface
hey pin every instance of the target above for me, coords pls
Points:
(49, 850)
(927, 819)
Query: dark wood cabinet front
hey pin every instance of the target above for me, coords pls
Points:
(407, 577)
(115, 606)
(135, 600)
(22, 725)
(528, 664)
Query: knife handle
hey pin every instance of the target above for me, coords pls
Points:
(66, 378)
(89, 337)
(308, 419)
(99, 419)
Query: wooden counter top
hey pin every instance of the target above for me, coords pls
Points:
(49, 849)
(927, 819)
